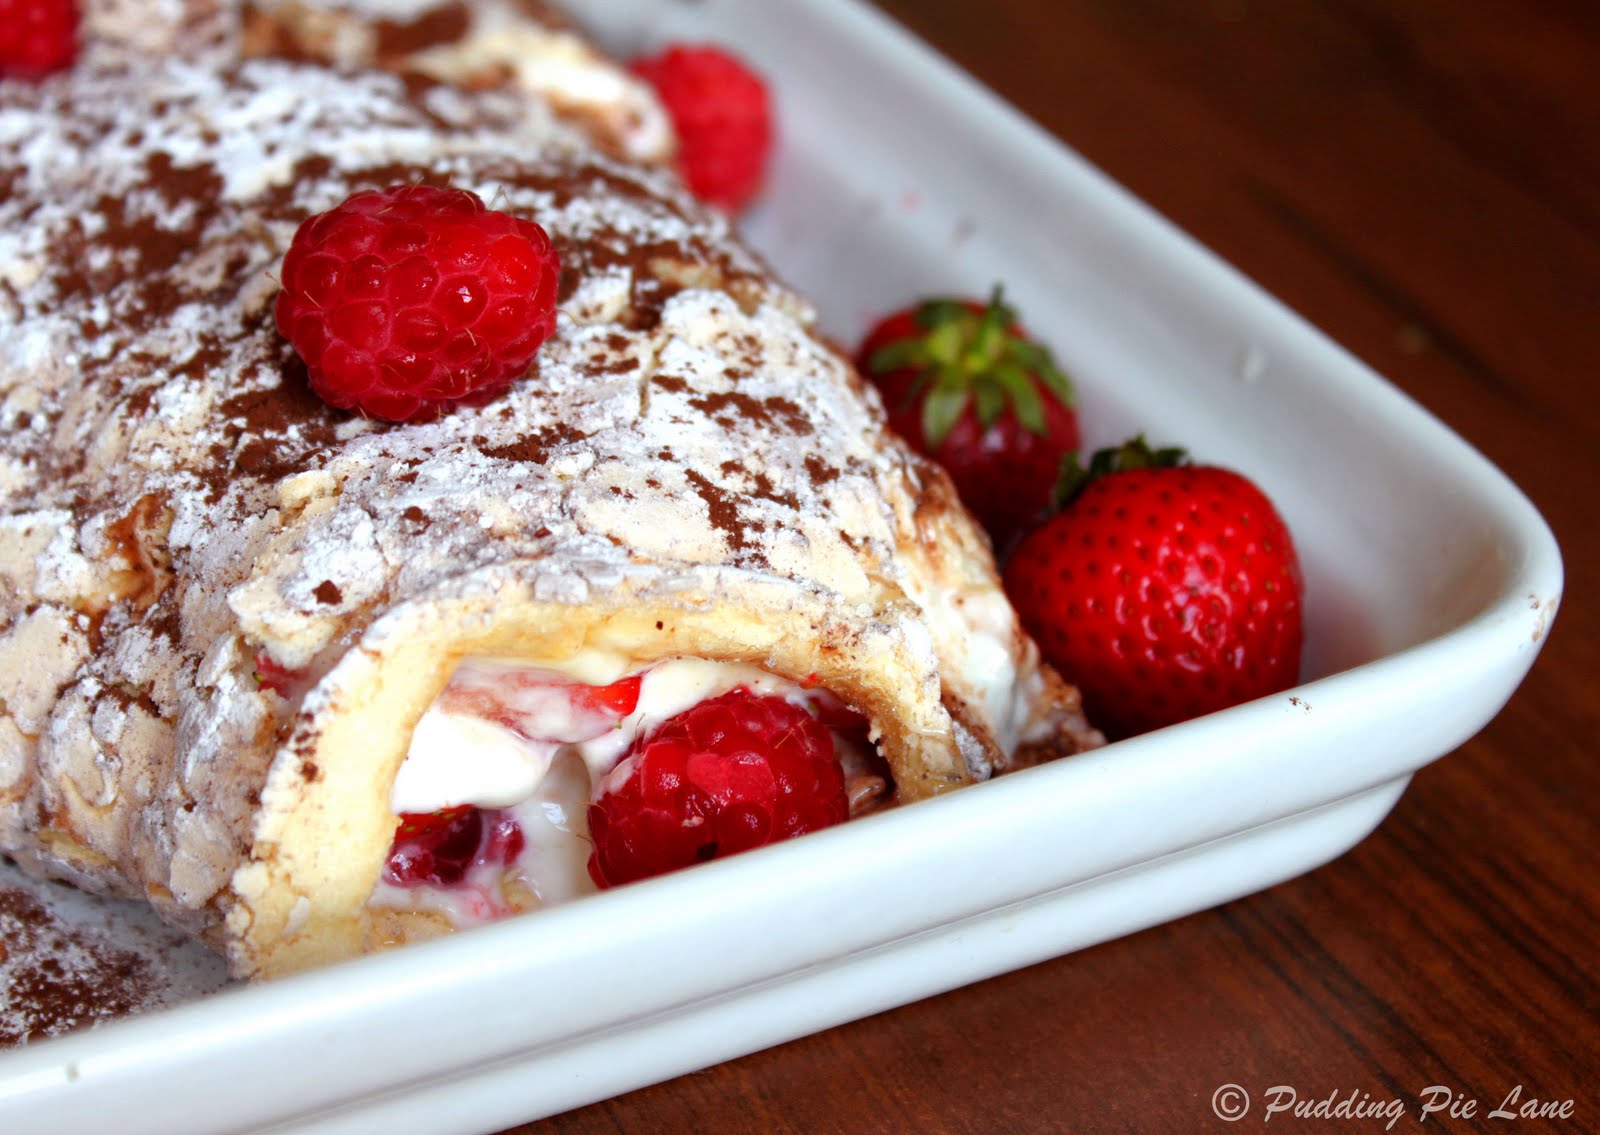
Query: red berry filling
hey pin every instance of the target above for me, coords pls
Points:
(618, 699)
(523, 703)
(439, 848)
(281, 680)
(734, 772)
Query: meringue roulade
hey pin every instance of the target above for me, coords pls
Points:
(244, 635)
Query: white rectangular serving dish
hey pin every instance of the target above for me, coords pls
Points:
(1430, 583)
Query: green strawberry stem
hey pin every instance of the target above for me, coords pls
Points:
(964, 354)
(1135, 453)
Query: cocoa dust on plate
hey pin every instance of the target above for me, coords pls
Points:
(69, 961)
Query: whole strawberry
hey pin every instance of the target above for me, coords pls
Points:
(722, 116)
(1164, 590)
(407, 301)
(965, 386)
(733, 773)
(37, 37)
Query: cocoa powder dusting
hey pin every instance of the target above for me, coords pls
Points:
(399, 38)
(819, 471)
(723, 509)
(55, 980)
(536, 446)
(729, 408)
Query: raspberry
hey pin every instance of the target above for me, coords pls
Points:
(735, 772)
(406, 301)
(721, 113)
(439, 848)
(37, 37)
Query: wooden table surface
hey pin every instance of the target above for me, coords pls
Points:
(1420, 180)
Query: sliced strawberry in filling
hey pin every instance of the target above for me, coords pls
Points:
(618, 699)
(439, 848)
(539, 708)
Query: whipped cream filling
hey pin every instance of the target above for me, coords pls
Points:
(537, 743)
(476, 745)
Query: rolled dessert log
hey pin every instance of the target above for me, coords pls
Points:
(226, 608)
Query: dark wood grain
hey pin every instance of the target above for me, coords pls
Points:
(1420, 180)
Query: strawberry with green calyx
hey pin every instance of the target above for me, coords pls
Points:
(965, 386)
(1135, 453)
(1165, 590)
